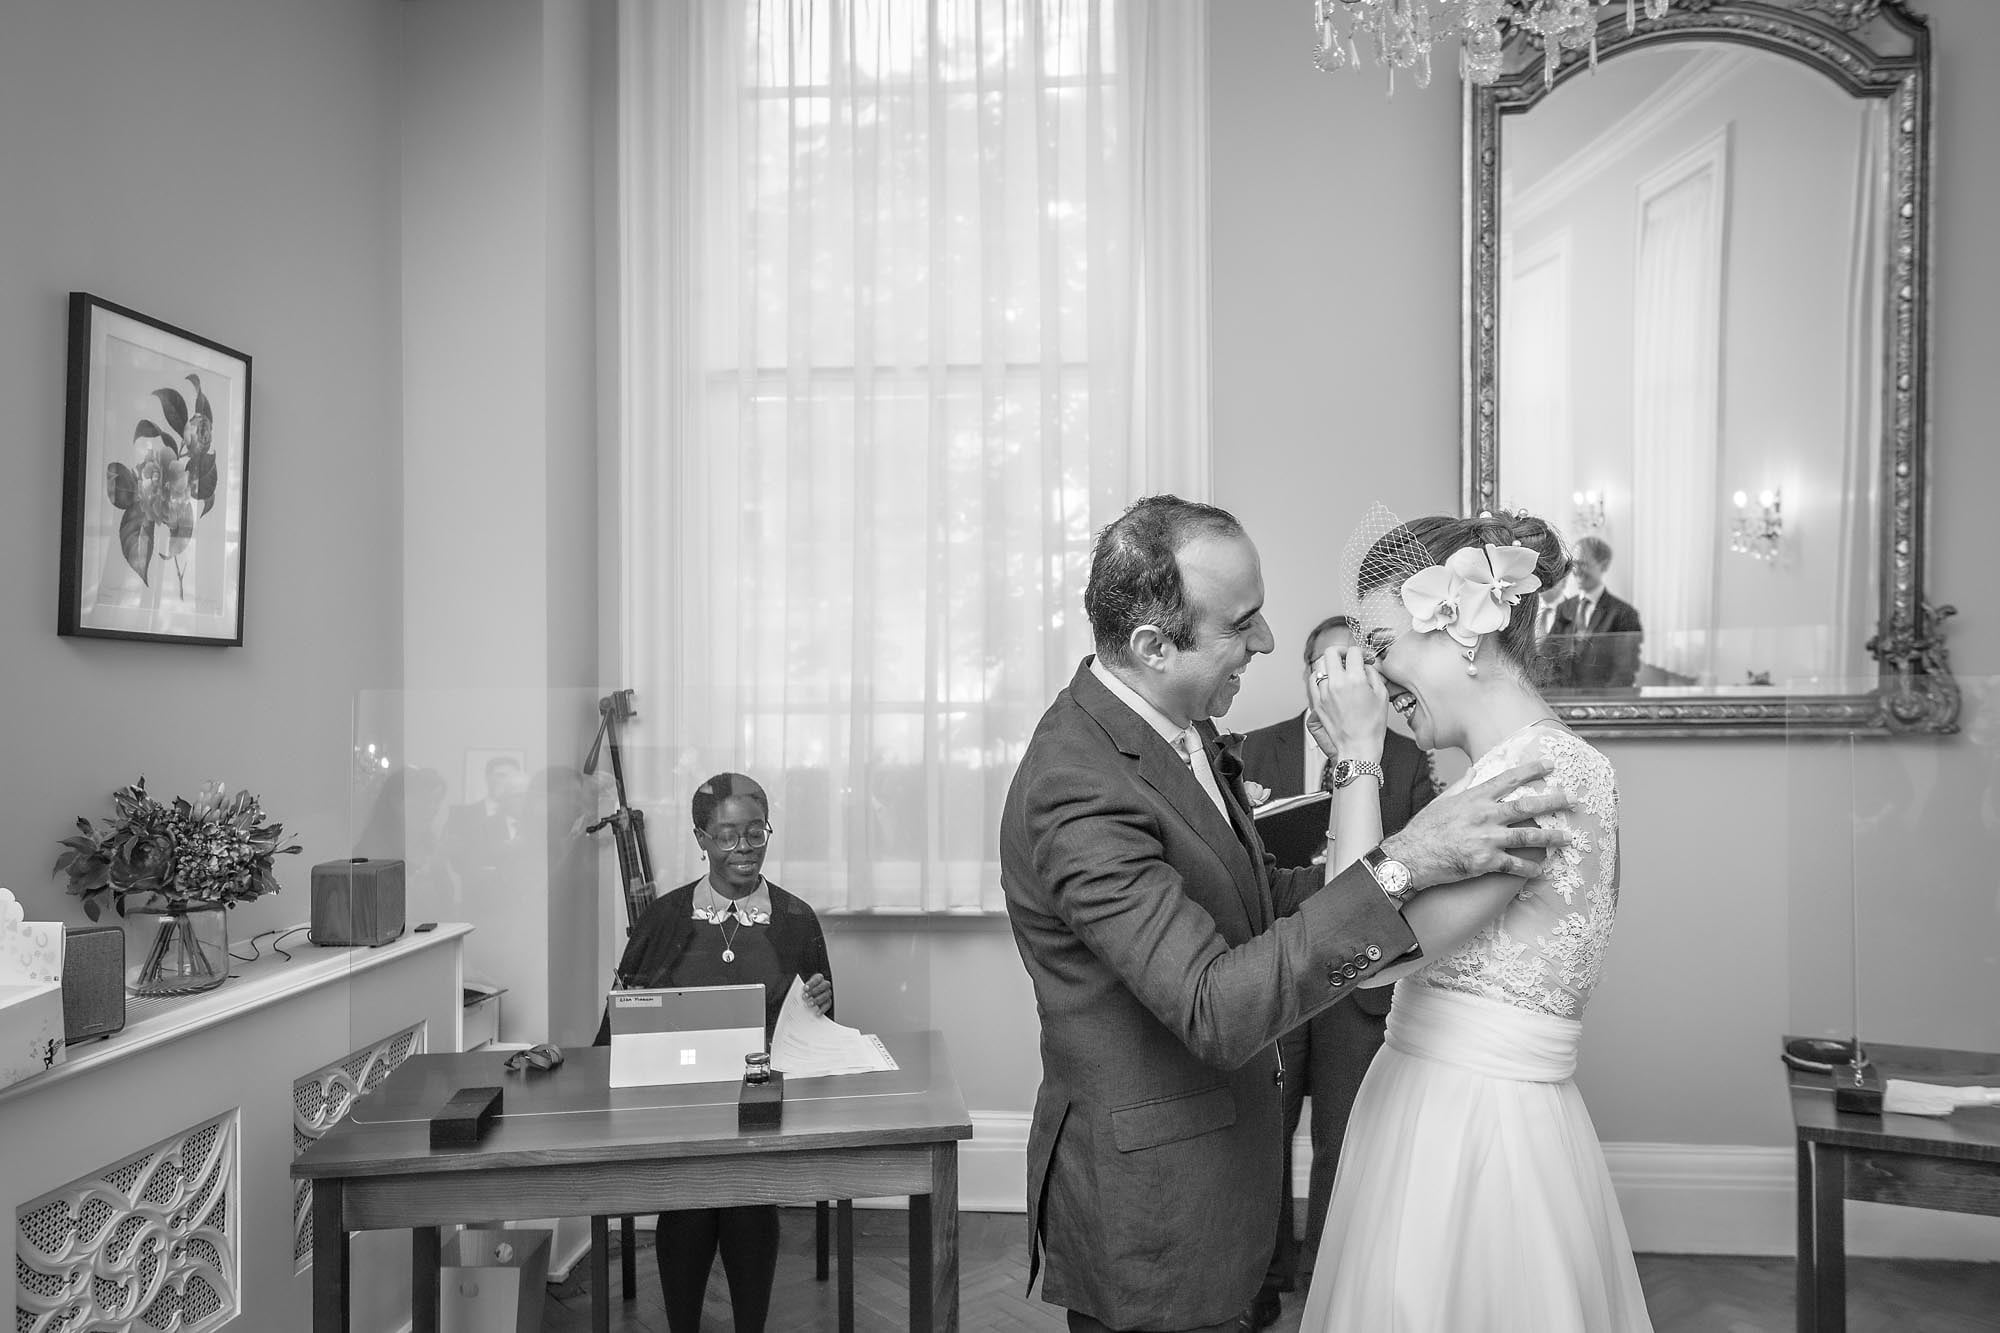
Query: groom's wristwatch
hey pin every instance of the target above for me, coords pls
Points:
(1391, 875)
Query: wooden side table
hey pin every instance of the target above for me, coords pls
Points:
(1950, 1163)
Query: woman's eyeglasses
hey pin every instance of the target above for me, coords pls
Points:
(754, 837)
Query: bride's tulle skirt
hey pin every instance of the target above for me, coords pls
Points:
(1472, 1195)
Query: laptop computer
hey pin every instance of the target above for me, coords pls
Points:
(696, 1034)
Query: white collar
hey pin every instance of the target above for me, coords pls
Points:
(753, 907)
(1135, 701)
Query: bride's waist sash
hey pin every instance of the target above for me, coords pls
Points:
(1484, 1036)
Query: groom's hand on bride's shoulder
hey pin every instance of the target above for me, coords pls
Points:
(1478, 832)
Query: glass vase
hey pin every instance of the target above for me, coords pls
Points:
(176, 950)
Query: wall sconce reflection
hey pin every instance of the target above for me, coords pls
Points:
(1759, 534)
(371, 761)
(1589, 512)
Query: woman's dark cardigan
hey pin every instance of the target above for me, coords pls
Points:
(667, 929)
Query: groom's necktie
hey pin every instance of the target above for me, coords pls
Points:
(1188, 746)
(1326, 776)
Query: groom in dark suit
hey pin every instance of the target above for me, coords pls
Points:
(1327, 1056)
(1167, 955)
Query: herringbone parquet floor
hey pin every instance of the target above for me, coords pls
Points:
(1686, 1294)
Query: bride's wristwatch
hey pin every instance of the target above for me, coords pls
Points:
(1391, 875)
(1348, 770)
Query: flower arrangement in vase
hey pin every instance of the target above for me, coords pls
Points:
(182, 865)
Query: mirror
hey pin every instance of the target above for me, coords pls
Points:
(1697, 312)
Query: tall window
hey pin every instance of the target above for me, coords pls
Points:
(914, 306)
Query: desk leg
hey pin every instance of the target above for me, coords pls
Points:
(1822, 1263)
(844, 1224)
(425, 1251)
(329, 1258)
(934, 1247)
(600, 1273)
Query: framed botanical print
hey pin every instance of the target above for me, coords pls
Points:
(155, 480)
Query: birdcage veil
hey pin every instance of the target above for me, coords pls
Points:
(1380, 555)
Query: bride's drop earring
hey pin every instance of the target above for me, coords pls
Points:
(1470, 668)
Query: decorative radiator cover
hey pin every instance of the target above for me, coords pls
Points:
(321, 1098)
(148, 1244)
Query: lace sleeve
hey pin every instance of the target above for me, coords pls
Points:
(1546, 950)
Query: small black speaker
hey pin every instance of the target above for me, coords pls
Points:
(359, 901)
(93, 983)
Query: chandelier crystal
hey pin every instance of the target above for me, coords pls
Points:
(1402, 32)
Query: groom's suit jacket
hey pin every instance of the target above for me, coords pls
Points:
(1167, 958)
(1275, 757)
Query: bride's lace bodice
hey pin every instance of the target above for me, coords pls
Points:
(1545, 951)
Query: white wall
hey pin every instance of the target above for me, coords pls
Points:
(499, 430)
(228, 166)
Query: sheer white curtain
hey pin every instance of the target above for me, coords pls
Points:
(1676, 408)
(1535, 386)
(914, 300)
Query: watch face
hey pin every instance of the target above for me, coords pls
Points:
(1395, 877)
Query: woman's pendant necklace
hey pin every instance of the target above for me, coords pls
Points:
(729, 940)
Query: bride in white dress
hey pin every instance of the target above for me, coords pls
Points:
(1472, 1193)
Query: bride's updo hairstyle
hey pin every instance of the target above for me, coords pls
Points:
(1442, 534)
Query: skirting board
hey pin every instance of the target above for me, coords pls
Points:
(1677, 1198)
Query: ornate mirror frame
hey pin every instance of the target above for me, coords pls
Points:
(1871, 48)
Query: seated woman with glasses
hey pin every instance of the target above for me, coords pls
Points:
(731, 927)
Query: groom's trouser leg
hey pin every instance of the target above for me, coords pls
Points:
(1296, 1047)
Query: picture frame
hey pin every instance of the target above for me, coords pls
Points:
(155, 481)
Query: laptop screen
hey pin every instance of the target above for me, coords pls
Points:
(695, 1034)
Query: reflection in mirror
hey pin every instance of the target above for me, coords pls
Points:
(1696, 290)
(1692, 318)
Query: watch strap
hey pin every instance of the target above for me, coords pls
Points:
(1350, 770)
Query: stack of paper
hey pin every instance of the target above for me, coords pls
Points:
(808, 1044)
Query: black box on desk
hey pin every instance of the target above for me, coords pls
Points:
(761, 1105)
(357, 901)
(464, 1119)
(93, 983)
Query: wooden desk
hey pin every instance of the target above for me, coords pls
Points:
(1951, 1163)
(567, 1144)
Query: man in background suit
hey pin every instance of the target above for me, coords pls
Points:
(479, 836)
(1167, 955)
(1596, 633)
(1327, 1056)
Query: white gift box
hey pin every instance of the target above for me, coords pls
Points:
(31, 1010)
